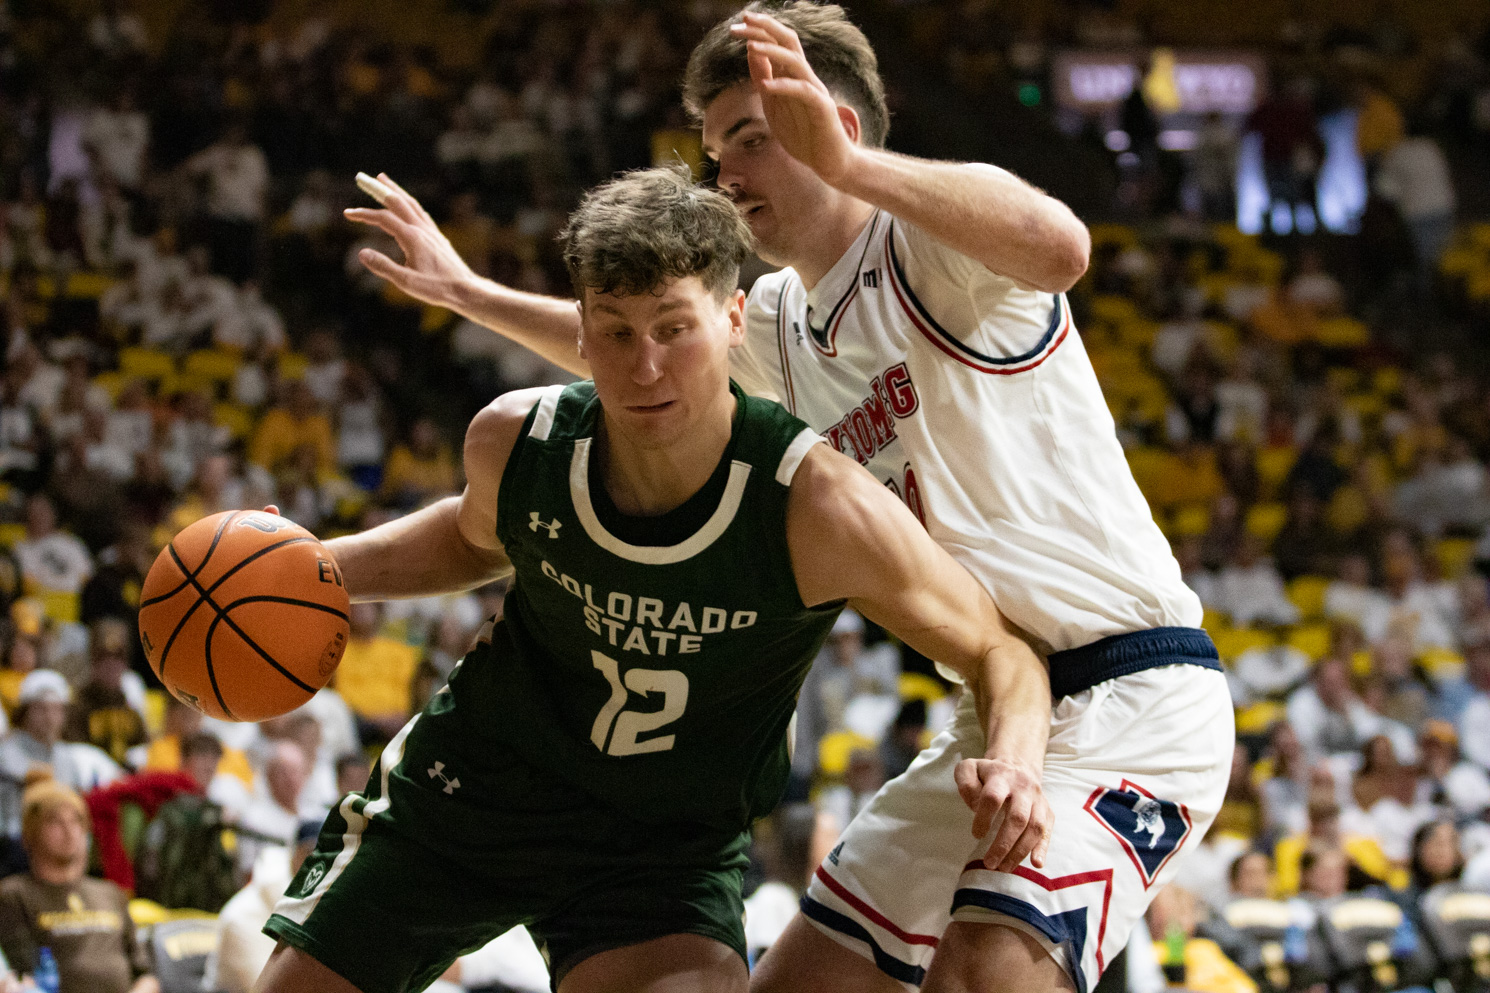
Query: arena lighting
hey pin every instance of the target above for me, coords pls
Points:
(1177, 140)
(1117, 141)
(1184, 81)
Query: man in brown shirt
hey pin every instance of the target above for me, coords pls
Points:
(84, 921)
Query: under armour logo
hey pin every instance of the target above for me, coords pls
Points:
(438, 772)
(538, 522)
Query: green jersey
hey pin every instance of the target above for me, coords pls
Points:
(653, 662)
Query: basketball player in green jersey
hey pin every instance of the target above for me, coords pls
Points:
(681, 551)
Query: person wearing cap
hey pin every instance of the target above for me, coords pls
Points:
(36, 739)
(1447, 779)
(84, 921)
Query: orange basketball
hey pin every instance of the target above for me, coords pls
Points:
(244, 615)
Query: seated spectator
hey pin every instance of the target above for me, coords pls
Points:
(242, 948)
(1422, 610)
(1455, 785)
(1324, 874)
(1267, 673)
(376, 676)
(273, 818)
(420, 469)
(37, 740)
(904, 740)
(863, 779)
(352, 771)
(1201, 965)
(109, 710)
(1385, 790)
(1250, 589)
(173, 750)
(1285, 793)
(1326, 713)
(293, 422)
(1365, 859)
(1454, 696)
(1241, 809)
(52, 561)
(1435, 859)
(1251, 876)
(84, 921)
(1404, 689)
(22, 652)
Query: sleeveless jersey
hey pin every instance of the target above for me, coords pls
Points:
(974, 400)
(659, 678)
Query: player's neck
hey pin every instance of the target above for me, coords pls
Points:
(649, 480)
(831, 234)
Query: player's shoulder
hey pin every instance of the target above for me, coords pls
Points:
(495, 430)
(768, 291)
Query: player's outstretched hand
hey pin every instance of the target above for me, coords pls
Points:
(997, 786)
(432, 270)
(799, 108)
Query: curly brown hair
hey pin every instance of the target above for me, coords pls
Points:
(635, 232)
(837, 51)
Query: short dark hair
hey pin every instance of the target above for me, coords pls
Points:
(201, 743)
(632, 234)
(837, 51)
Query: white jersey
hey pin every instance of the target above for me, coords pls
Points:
(974, 400)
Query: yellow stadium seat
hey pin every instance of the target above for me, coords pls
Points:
(1191, 521)
(235, 417)
(147, 912)
(292, 365)
(87, 285)
(1479, 235)
(1460, 261)
(1442, 663)
(217, 364)
(1147, 464)
(1265, 520)
(1453, 556)
(1232, 642)
(60, 605)
(1367, 404)
(185, 382)
(11, 533)
(1360, 664)
(1311, 639)
(919, 686)
(1307, 594)
(1113, 234)
(112, 382)
(432, 319)
(1342, 332)
(1387, 380)
(155, 712)
(1215, 620)
(1273, 465)
(1112, 309)
(145, 363)
(1138, 333)
(834, 750)
(1259, 717)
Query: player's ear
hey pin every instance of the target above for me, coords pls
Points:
(849, 118)
(737, 319)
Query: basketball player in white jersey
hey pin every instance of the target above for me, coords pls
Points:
(920, 325)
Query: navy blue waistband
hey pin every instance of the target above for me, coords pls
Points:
(1078, 669)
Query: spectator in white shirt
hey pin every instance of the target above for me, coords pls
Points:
(249, 323)
(1352, 598)
(50, 559)
(1414, 175)
(41, 716)
(237, 175)
(1327, 715)
(1250, 589)
(274, 816)
(118, 137)
(1460, 786)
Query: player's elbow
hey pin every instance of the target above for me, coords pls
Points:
(1070, 253)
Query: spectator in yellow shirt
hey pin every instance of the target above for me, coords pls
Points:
(294, 422)
(1364, 853)
(420, 469)
(376, 675)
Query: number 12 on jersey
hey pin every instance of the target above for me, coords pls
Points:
(622, 726)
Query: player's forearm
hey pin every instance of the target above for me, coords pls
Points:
(423, 554)
(988, 215)
(545, 325)
(1012, 690)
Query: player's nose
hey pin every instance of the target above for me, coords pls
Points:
(646, 363)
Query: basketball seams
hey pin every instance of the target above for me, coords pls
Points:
(207, 654)
(233, 625)
(206, 594)
(216, 537)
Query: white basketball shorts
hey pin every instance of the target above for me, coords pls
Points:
(1135, 772)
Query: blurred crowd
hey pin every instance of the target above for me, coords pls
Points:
(187, 329)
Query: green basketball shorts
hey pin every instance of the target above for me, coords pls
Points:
(456, 840)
